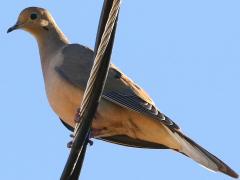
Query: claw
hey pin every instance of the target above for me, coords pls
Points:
(90, 142)
(69, 145)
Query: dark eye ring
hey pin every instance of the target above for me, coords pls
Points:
(33, 16)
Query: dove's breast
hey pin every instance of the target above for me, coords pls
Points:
(62, 96)
(65, 99)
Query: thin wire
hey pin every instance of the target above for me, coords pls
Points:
(101, 50)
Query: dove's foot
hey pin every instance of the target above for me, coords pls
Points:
(69, 145)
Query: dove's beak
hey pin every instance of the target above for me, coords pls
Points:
(16, 26)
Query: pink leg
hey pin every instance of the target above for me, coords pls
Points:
(77, 116)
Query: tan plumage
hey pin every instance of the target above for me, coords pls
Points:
(126, 114)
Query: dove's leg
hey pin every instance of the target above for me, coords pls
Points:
(77, 116)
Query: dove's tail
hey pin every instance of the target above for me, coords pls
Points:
(202, 156)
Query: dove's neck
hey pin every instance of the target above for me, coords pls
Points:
(49, 42)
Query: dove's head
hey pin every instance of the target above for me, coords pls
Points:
(34, 20)
(41, 25)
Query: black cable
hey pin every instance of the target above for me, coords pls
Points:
(102, 53)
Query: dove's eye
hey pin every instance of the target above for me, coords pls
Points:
(33, 16)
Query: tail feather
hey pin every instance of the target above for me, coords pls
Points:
(202, 156)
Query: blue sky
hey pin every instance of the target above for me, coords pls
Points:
(184, 53)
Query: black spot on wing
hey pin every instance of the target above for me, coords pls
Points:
(170, 122)
(133, 102)
(117, 74)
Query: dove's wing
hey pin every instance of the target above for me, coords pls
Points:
(119, 89)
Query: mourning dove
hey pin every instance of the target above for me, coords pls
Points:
(126, 114)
